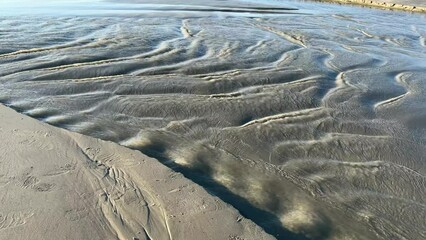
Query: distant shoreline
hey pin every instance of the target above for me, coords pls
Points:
(381, 4)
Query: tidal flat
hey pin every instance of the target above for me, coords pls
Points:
(308, 118)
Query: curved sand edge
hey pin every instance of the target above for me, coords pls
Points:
(55, 184)
(396, 5)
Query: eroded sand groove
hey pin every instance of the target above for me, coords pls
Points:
(316, 122)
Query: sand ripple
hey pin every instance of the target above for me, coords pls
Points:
(315, 119)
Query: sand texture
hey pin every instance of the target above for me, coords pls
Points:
(308, 118)
(60, 185)
(405, 5)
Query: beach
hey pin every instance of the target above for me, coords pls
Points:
(61, 185)
(212, 120)
(404, 5)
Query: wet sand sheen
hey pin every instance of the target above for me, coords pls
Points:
(310, 125)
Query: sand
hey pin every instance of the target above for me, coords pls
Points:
(310, 122)
(405, 5)
(55, 184)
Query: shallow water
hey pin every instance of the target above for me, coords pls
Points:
(308, 118)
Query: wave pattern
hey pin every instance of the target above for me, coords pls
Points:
(316, 119)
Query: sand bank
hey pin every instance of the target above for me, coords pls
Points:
(55, 184)
(405, 5)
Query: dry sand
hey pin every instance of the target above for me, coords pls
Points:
(55, 184)
(406, 5)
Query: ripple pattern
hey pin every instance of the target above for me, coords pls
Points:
(317, 120)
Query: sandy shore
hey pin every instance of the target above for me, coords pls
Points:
(61, 185)
(405, 5)
(309, 122)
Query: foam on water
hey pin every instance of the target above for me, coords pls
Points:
(311, 122)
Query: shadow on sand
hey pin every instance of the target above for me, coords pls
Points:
(266, 220)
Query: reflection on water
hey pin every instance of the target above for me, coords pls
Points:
(309, 121)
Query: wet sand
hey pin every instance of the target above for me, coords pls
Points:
(307, 118)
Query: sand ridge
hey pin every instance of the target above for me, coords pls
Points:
(55, 184)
